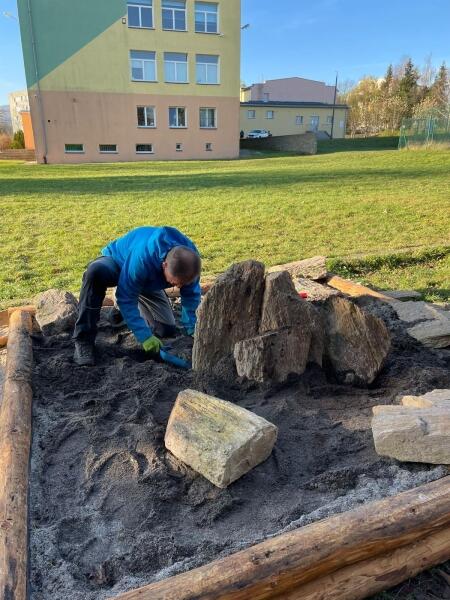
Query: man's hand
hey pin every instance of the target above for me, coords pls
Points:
(153, 345)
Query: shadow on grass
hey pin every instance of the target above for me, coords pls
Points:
(181, 182)
(370, 144)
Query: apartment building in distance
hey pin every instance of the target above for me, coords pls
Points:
(117, 80)
(18, 103)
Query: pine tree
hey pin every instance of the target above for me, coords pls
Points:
(408, 87)
(388, 81)
(440, 89)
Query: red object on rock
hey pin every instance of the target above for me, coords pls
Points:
(303, 294)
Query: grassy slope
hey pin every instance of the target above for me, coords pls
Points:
(56, 218)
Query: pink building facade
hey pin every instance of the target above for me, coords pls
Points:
(289, 89)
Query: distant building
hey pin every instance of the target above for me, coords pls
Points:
(287, 118)
(117, 80)
(18, 102)
(289, 89)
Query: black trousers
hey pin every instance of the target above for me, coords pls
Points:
(103, 273)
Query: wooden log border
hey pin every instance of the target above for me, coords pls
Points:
(15, 440)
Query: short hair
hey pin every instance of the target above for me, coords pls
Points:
(184, 263)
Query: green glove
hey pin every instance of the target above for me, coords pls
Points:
(152, 345)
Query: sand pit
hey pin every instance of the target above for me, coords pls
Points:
(111, 510)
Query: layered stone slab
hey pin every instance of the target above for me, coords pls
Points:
(218, 439)
(434, 399)
(412, 435)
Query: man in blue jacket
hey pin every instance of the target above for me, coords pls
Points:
(141, 265)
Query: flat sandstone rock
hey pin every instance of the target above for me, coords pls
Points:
(56, 311)
(312, 268)
(434, 399)
(412, 312)
(412, 435)
(218, 439)
(273, 356)
(433, 334)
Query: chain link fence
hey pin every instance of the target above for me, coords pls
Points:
(433, 128)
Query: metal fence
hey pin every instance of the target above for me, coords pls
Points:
(433, 128)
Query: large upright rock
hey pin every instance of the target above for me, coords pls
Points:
(56, 311)
(273, 356)
(356, 343)
(412, 435)
(230, 312)
(283, 307)
(216, 438)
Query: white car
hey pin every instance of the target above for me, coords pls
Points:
(258, 133)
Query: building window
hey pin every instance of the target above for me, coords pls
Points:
(179, 147)
(208, 147)
(177, 116)
(107, 148)
(146, 116)
(144, 148)
(140, 14)
(175, 67)
(208, 118)
(299, 120)
(207, 69)
(143, 66)
(174, 15)
(266, 97)
(270, 114)
(329, 120)
(206, 17)
(251, 114)
(74, 148)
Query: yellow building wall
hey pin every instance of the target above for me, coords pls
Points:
(284, 121)
(103, 65)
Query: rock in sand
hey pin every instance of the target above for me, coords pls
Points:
(56, 311)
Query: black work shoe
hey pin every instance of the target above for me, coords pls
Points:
(84, 354)
(115, 319)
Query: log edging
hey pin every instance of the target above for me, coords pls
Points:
(300, 563)
(15, 441)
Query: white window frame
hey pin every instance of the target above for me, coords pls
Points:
(73, 151)
(140, 7)
(146, 107)
(152, 151)
(215, 117)
(143, 61)
(329, 119)
(206, 12)
(273, 114)
(299, 119)
(177, 108)
(174, 10)
(176, 63)
(116, 151)
(205, 64)
(251, 114)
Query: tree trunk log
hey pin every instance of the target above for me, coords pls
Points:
(15, 439)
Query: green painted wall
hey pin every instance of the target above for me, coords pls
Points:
(59, 30)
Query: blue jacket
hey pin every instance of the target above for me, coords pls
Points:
(140, 254)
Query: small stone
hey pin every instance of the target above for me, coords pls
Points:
(230, 312)
(433, 334)
(356, 343)
(434, 399)
(218, 439)
(411, 435)
(273, 356)
(312, 268)
(404, 295)
(410, 312)
(56, 311)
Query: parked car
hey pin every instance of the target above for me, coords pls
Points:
(258, 133)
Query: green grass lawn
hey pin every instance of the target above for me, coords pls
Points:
(54, 219)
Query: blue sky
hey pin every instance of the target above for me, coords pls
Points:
(312, 39)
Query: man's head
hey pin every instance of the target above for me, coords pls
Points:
(181, 266)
